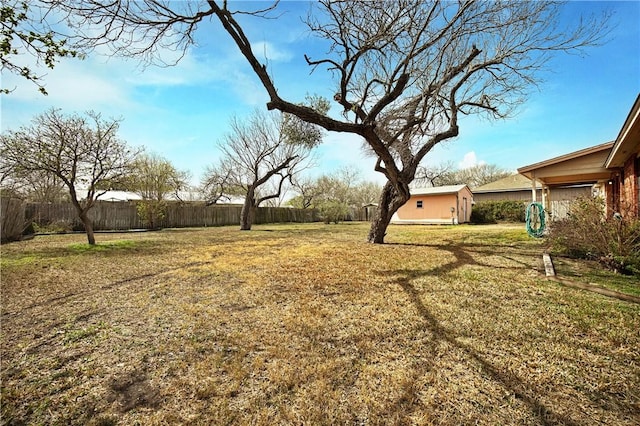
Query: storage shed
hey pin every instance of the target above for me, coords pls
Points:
(449, 204)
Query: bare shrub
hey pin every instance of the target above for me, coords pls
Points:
(587, 233)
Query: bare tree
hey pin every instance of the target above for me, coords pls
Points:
(481, 174)
(273, 187)
(84, 152)
(447, 174)
(218, 184)
(258, 156)
(37, 186)
(334, 195)
(307, 191)
(437, 175)
(366, 193)
(406, 70)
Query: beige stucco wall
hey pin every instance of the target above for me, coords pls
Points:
(436, 208)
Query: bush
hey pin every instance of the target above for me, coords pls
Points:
(54, 227)
(333, 211)
(586, 233)
(495, 211)
(151, 212)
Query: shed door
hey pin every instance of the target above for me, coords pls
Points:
(464, 209)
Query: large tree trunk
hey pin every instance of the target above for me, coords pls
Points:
(88, 227)
(248, 210)
(391, 199)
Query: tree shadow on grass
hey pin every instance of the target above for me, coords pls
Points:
(463, 253)
(515, 385)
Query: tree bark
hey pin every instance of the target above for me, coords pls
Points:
(88, 227)
(248, 210)
(83, 214)
(392, 198)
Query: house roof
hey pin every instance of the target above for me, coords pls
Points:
(446, 189)
(515, 182)
(628, 140)
(583, 166)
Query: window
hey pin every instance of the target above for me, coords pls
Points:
(419, 204)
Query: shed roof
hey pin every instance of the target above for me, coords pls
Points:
(441, 190)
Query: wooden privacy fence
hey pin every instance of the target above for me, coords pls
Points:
(12, 218)
(118, 215)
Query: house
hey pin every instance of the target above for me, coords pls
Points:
(449, 204)
(517, 187)
(612, 170)
(623, 188)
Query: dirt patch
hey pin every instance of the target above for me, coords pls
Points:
(132, 390)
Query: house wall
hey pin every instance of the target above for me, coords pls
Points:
(436, 208)
(623, 193)
(630, 186)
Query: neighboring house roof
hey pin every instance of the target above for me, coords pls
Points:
(628, 140)
(132, 196)
(119, 196)
(515, 182)
(446, 189)
(583, 166)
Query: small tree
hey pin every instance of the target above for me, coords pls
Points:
(155, 179)
(84, 152)
(267, 147)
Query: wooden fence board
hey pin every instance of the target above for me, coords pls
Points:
(12, 221)
(118, 215)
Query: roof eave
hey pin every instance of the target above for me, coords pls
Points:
(526, 170)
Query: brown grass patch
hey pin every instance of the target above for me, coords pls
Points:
(308, 324)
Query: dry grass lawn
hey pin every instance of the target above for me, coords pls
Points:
(308, 324)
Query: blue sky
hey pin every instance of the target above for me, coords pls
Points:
(180, 112)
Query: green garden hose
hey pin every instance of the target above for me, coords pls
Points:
(535, 220)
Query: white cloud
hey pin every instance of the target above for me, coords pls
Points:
(269, 52)
(470, 160)
(73, 85)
